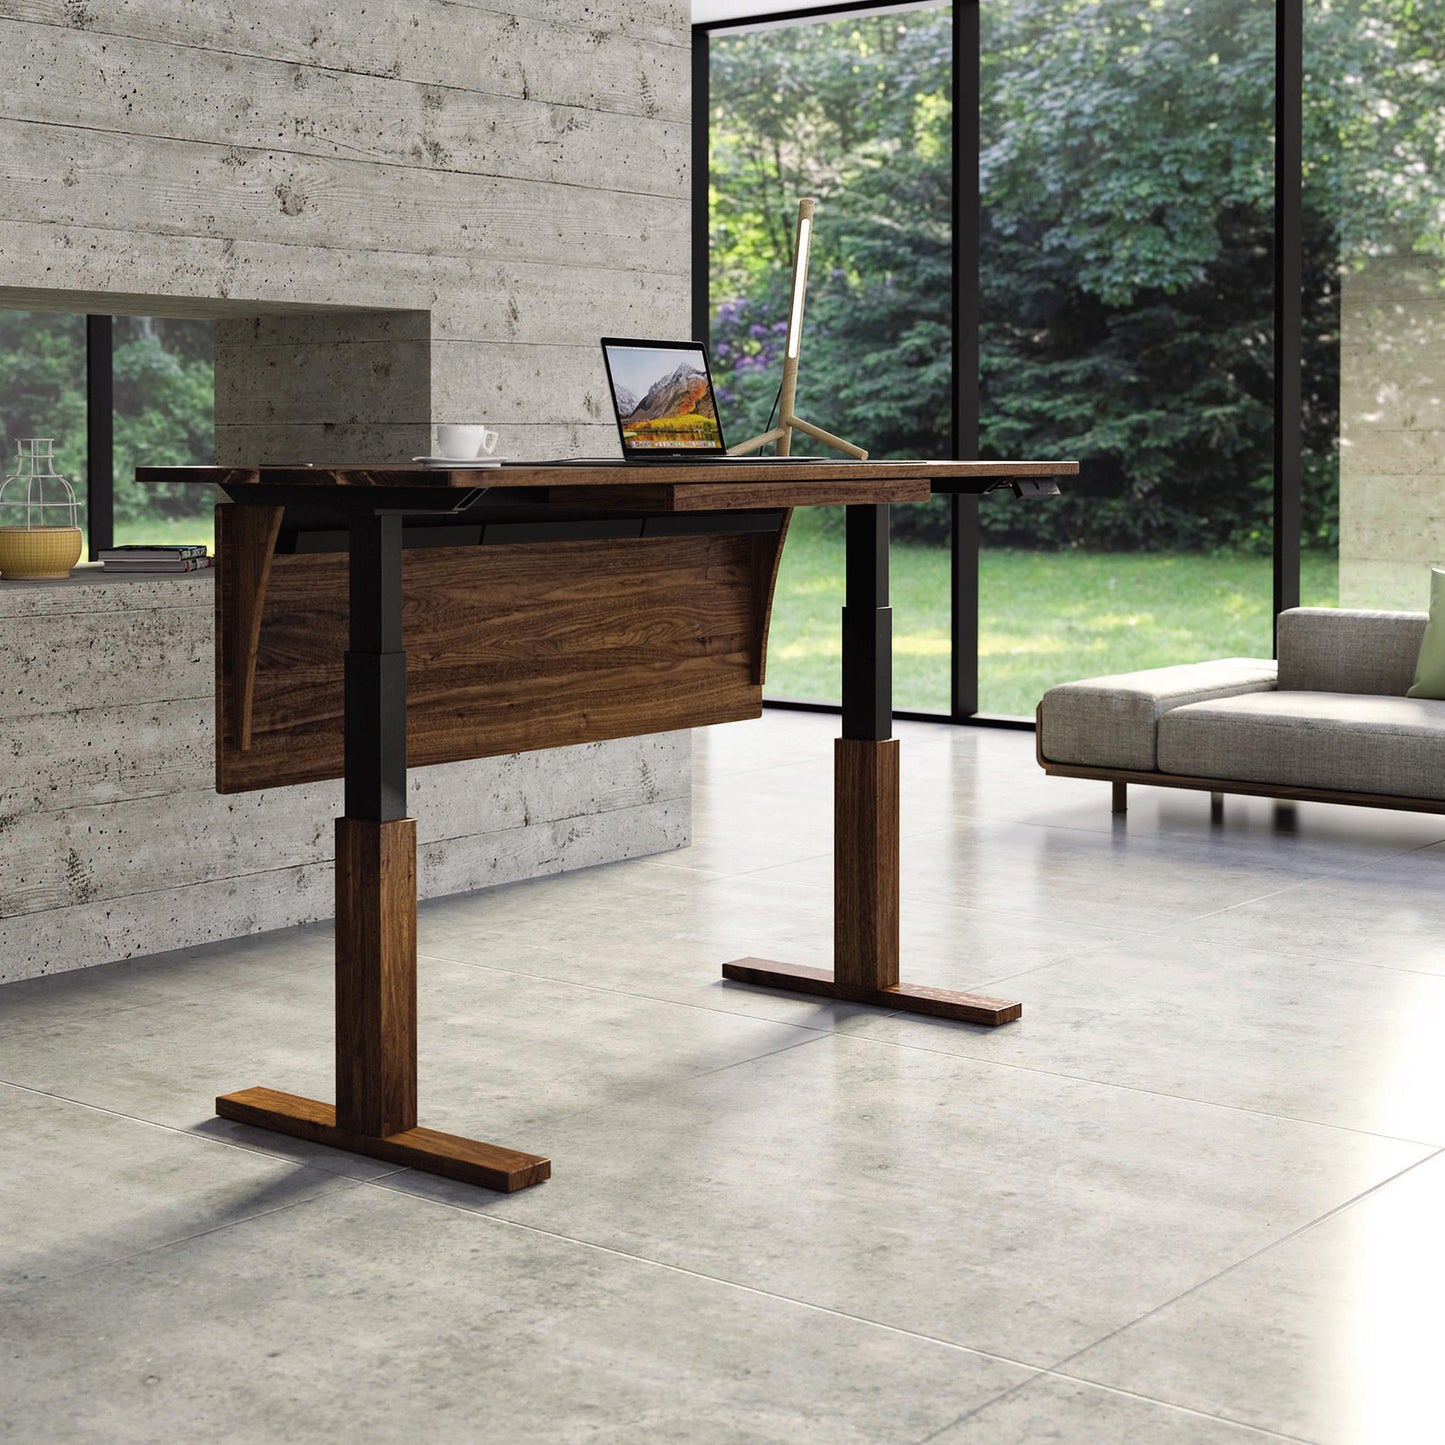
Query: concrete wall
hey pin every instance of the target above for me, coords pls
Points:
(1392, 432)
(516, 173)
(400, 213)
(114, 842)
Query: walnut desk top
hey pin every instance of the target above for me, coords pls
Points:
(652, 487)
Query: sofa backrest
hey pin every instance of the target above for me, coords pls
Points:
(1333, 649)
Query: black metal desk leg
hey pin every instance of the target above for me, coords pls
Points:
(375, 853)
(866, 814)
(865, 768)
(376, 1105)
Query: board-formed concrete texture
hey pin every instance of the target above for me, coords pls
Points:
(114, 838)
(1392, 431)
(399, 214)
(514, 176)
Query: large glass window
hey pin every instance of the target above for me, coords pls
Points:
(164, 416)
(1136, 180)
(1374, 301)
(1127, 185)
(163, 398)
(856, 112)
(42, 390)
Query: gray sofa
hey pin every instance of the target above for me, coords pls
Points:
(1330, 722)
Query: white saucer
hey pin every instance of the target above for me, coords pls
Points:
(457, 464)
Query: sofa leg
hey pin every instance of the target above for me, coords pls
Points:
(1216, 807)
(1121, 798)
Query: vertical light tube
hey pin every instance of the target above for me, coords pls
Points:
(800, 285)
(787, 393)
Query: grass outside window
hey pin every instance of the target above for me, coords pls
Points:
(1045, 617)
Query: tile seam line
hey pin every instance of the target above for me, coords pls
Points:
(1393, 857)
(1081, 956)
(644, 1092)
(1137, 1089)
(113, 1007)
(649, 1091)
(1335, 874)
(1332, 877)
(1326, 872)
(620, 992)
(1033, 821)
(723, 1068)
(7, 1295)
(1037, 1372)
(1059, 1367)
(704, 875)
(1061, 921)
(1265, 1430)
(615, 1252)
(1175, 931)
(816, 1033)
(192, 1133)
(1204, 941)
(346, 160)
(1262, 1431)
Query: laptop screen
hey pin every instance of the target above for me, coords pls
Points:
(662, 395)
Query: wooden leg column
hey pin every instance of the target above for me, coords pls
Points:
(376, 975)
(376, 1106)
(865, 816)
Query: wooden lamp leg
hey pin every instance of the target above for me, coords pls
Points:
(376, 1106)
(865, 815)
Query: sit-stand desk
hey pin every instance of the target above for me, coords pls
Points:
(371, 618)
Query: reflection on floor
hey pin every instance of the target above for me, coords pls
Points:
(1194, 1196)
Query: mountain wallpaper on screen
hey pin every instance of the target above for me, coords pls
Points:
(677, 411)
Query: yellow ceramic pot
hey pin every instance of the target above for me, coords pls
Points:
(39, 551)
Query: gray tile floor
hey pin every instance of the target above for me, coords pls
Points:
(1194, 1196)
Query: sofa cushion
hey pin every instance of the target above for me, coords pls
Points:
(1109, 722)
(1335, 649)
(1345, 741)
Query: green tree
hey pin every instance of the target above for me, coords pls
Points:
(164, 412)
(855, 112)
(164, 401)
(42, 387)
(1127, 173)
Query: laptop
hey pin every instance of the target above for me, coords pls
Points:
(663, 400)
(664, 405)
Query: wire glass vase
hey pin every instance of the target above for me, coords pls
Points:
(39, 517)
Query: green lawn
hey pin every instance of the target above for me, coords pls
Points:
(171, 531)
(1046, 617)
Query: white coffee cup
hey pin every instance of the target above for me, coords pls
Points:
(464, 443)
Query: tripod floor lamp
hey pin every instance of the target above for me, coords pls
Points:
(788, 420)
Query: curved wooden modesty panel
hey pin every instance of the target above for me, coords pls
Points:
(509, 648)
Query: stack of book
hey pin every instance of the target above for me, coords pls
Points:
(143, 557)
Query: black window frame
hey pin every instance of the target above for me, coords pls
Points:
(967, 214)
(99, 434)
